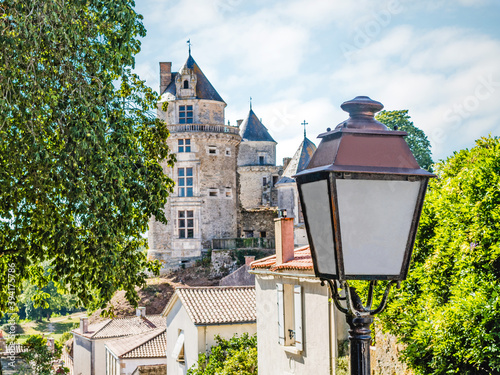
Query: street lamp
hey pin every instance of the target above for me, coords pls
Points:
(361, 195)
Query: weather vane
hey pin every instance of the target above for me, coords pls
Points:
(250, 102)
(304, 125)
(189, 44)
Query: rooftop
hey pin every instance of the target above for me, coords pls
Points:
(252, 129)
(204, 89)
(123, 327)
(299, 161)
(151, 344)
(302, 261)
(216, 305)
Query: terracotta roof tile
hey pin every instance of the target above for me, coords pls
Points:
(302, 261)
(123, 327)
(151, 344)
(218, 305)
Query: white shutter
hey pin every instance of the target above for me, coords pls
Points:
(281, 316)
(297, 307)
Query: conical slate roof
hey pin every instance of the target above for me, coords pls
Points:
(253, 130)
(299, 161)
(204, 89)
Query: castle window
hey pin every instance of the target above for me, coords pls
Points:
(264, 181)
(228, 152)
(184, 145)
(263, 234)
(186, 84)
(213, 192)
(212, 150)
(261, 160)
(186, 224)
(275, 180)
(185, 182)
(185, 114)
(229, 193)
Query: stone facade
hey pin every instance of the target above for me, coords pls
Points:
(225, 176)
(385, 357)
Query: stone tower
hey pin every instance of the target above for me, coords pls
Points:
(204, 203)
(288, 195)
(257, 173)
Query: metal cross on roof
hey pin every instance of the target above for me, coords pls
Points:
(250, 102)
(189, 44)
(304, 125)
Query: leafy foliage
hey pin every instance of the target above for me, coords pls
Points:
(80, 150)
(237, 355)
(39, 357)
(447, 312)
(416, 138)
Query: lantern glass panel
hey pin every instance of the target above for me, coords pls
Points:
(375, 221)
(316, 199)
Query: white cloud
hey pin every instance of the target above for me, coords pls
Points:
(449, 78)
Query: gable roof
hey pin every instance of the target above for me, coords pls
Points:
(299, 161)
(204, 89)
(151, 344)
(253, 130)
(302, 261)
(123, 327)
(217, 304)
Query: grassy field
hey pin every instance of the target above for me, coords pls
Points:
(53, 328)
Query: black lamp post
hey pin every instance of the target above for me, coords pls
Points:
(361, 195)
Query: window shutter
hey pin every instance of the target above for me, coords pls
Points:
(281, 316)
(297, 306)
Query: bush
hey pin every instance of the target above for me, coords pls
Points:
(237, 355)
(447, 312)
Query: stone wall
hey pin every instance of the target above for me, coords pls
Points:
(253, 190)
(257, 222)
(251, 150)
(385, 356)
(151, 370)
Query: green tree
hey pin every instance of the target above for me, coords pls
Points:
(447, 312)
(416, 138)
(80, 149)
(39, 357)
(237, 355)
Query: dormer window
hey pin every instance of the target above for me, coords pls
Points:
(186, 84)
(185, 114)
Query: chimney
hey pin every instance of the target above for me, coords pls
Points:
(284, 239)
(51, 344)
(238, 123)
(84, 325)
(165, 75)
(140, 311)
(249, 259)
(286, 161)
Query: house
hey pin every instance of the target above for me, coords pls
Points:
(126, 354)
(89, 351)
(195, 315)
(298, 328)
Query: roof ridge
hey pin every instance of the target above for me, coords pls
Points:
(101, 328)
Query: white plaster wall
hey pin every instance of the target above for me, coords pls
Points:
(178, 318)
(82, 354)
(100, 357)
(273, 358)
(226, 331)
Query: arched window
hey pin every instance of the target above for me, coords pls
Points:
(186, 84)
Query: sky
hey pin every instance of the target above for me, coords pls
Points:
(300, 60)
